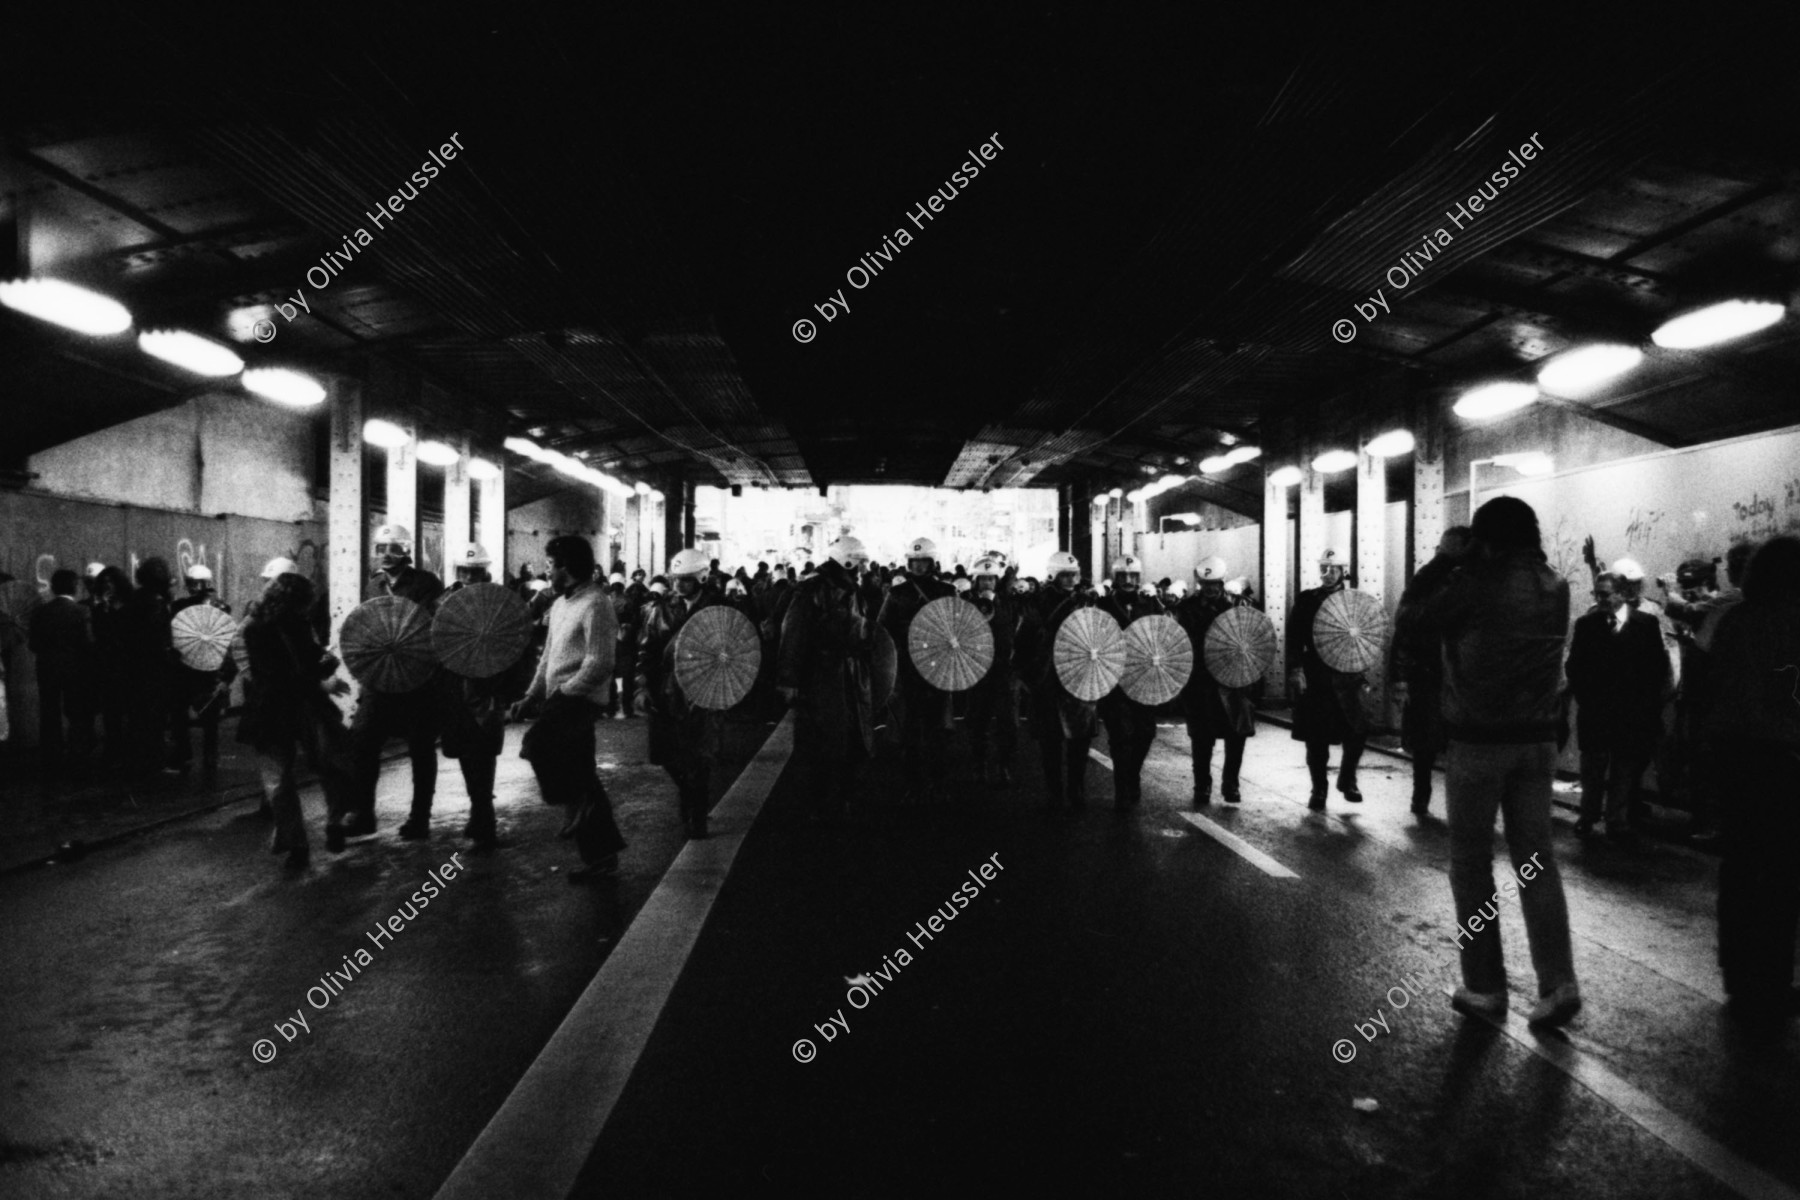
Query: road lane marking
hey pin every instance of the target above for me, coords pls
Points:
(1245, 850)
(1101, 759)
(1640, 1108)
(538, 1142)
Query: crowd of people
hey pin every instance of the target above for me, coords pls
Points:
(1486, 660)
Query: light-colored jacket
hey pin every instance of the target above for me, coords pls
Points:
(578, 654)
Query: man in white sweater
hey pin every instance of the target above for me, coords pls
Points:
(572, 685)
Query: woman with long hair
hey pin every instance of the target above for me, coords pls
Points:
(287, 708)
(1754, 670)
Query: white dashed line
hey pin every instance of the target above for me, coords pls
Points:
(1243, 849)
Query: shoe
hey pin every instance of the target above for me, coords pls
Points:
(1421, 808)
(334, 838)
(1350, 792)
(1233, 796)
(1584, 826)
(1557, 1008)
(359, 824)
(1316, 801)
(416, 829)
(1491, 1005)
(265, 810)
(577, 818)
(1202, 800)
(606, 868)
(1621, 836)
(297, 859)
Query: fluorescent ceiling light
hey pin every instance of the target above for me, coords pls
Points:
(437, 454)
(190, 352)
(1718, 323)
(1242, 454)
(1214, 464)
(1333, 461)
(642, 488)
(284, 386)
(1528, 462)
(481, 468)
(1392, 444)
(574, 468)
(1171, 481)
(656, 496)
(1585, 370)
(1102, 498)
(1116, 493)
(66, 305)
(1286, 476)
(1493, 399)
(1135, 496)
(1184, 518)
(377, 432)
(529, 449)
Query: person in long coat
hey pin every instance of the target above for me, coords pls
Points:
(684, 739)
(925, 716)
(201, 691)
(1416, 666)
(1329, 710)
(827, 674)
(1617, 670)
(1063, 725)
(1130, 726)
(1754, 722)
(112, 600)
(1212, 710)
(288, 708)
(149, 665)
(994, 701)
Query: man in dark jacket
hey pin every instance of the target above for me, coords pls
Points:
(826, 672)
(473, 713)
(1502, 621)
(684, 739)
(1130, 726)
(1617, 671)
(993, 702)
(149, 664)
(1063, 725)
(1416, 669)
(412, 715)
(925, 719)
(1213, 711)
(62, 637)
(1329, 709)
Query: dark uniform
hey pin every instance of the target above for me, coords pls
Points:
(827, 640)
(1213, 711)
(994, 702)
(1416, 659)
(1130, 726)
(199, 692)
(684, 739)
(925, 711)
(629, 608)
(1330, 711)
(414, 716)
(1062, 725)
(473, 720)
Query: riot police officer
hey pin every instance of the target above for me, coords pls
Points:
(1329, 709)
(1063, 725)
(204, 693)
(925, 718)
(993, 702)
(1130, 726)
(474, 716)
(1213, 711)
(684, 739)
(826, 672)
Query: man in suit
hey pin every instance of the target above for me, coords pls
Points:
(1617, 671)
(62, 637)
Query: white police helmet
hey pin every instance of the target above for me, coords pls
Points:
(1127, 564)
(922, 548)
(1334, 558)
(473, 556)
(1062, 562)
(200, 573)
(280, 566)
(688, 562)
(848, 552)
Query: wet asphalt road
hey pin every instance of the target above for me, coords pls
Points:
(139, 979)
(1128, 1007)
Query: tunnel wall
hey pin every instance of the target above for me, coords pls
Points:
(530, 527)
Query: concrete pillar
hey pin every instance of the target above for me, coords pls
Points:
(1371, 549)
(1066, 518)
(345, 522)
(1080, 541)
(403, 484)
(1273, 585)
(656, 536)
(493, 523)
(1312, 527)
(457, 530)
(1428, 490)
(634, 535)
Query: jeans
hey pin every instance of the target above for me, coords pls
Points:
(1515, 780)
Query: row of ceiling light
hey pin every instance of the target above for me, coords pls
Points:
(89, 312)
(390, 436)
(1208, 466)
(574, 468)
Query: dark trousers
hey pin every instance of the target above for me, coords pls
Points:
(181, 726)
(60, 698)
(1203, 752)
(1423, 762)
(380, 716)
(1129, 736)
(1318, 762)
(1610, 777)
(1759, 877)
(146, 724)
(478, 779)
(994, 706)
(693, 784)
(562, 757)
(924, 742)
(1065, 768)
